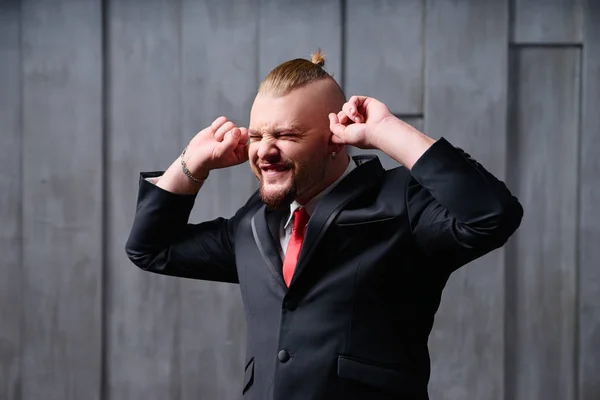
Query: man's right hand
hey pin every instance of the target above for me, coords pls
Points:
(220, 145)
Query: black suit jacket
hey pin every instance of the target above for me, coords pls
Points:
(378, 250)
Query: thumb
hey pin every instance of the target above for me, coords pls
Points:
(241, 152)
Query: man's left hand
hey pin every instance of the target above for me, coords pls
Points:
(367, 123)
(357, 124)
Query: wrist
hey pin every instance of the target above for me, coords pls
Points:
(387, 124)
(198, 176)
(175, 181)
(401, 141)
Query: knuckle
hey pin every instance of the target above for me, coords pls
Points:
(218, 122)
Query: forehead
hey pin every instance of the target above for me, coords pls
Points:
(289, 111)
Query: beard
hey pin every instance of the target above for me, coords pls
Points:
(279, 200)
(304, 176)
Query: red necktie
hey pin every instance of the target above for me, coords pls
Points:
(293, 250)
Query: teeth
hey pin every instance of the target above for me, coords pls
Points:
(274, 168)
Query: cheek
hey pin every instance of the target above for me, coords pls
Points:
(313, 150)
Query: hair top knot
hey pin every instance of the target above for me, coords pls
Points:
(294, 74)
(318, 58)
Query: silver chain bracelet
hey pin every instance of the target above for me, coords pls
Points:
(187, 172)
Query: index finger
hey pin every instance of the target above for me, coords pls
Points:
(335, 126)
(352, 108)
(356, 101)
(217, 123)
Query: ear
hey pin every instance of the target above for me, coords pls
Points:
(335, 147)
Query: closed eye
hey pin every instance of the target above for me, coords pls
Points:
(254, 137)
(287, 135)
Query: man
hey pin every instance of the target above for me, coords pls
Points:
(341, 264)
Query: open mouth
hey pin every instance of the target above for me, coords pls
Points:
(273, 169)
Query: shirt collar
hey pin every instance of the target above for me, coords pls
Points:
(312, 204)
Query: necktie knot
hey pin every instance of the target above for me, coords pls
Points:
(300, 218)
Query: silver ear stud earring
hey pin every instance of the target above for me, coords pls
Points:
(333, 155)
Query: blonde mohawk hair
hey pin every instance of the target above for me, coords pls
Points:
(294, 73)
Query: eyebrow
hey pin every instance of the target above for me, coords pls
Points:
(292, 128)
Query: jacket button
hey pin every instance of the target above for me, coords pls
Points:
(283, 356)
(290, 305)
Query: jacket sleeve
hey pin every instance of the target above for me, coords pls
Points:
(457, 210)
(162, 241)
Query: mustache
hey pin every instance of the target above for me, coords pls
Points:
(274, 163)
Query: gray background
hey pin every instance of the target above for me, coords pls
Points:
(92, 92)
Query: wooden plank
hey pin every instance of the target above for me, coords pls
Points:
(212, 324)
(547, 21)
(62, 199)
(384, 52)
(291, 29)
(145, 121)
(589, 215)
(10, 200)
(465, 102)
(387, 161)
(541, 277)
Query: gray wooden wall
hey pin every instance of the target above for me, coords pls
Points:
(92, 92)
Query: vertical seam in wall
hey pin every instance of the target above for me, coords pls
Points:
(580, 130)
(507, 325)
(177, 347)
(104, 280)
(507, 273)
(423, 59)
(343, 35)
(505, 250)
(511, 21)
(21, 189)
(259, 6)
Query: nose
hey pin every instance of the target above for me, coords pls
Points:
(267, 149)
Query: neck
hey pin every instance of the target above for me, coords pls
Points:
(336, 169)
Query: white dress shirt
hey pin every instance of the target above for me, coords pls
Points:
(285, 229)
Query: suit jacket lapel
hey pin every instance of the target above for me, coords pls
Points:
(265, 223)
(265, 232)
(362, 179)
